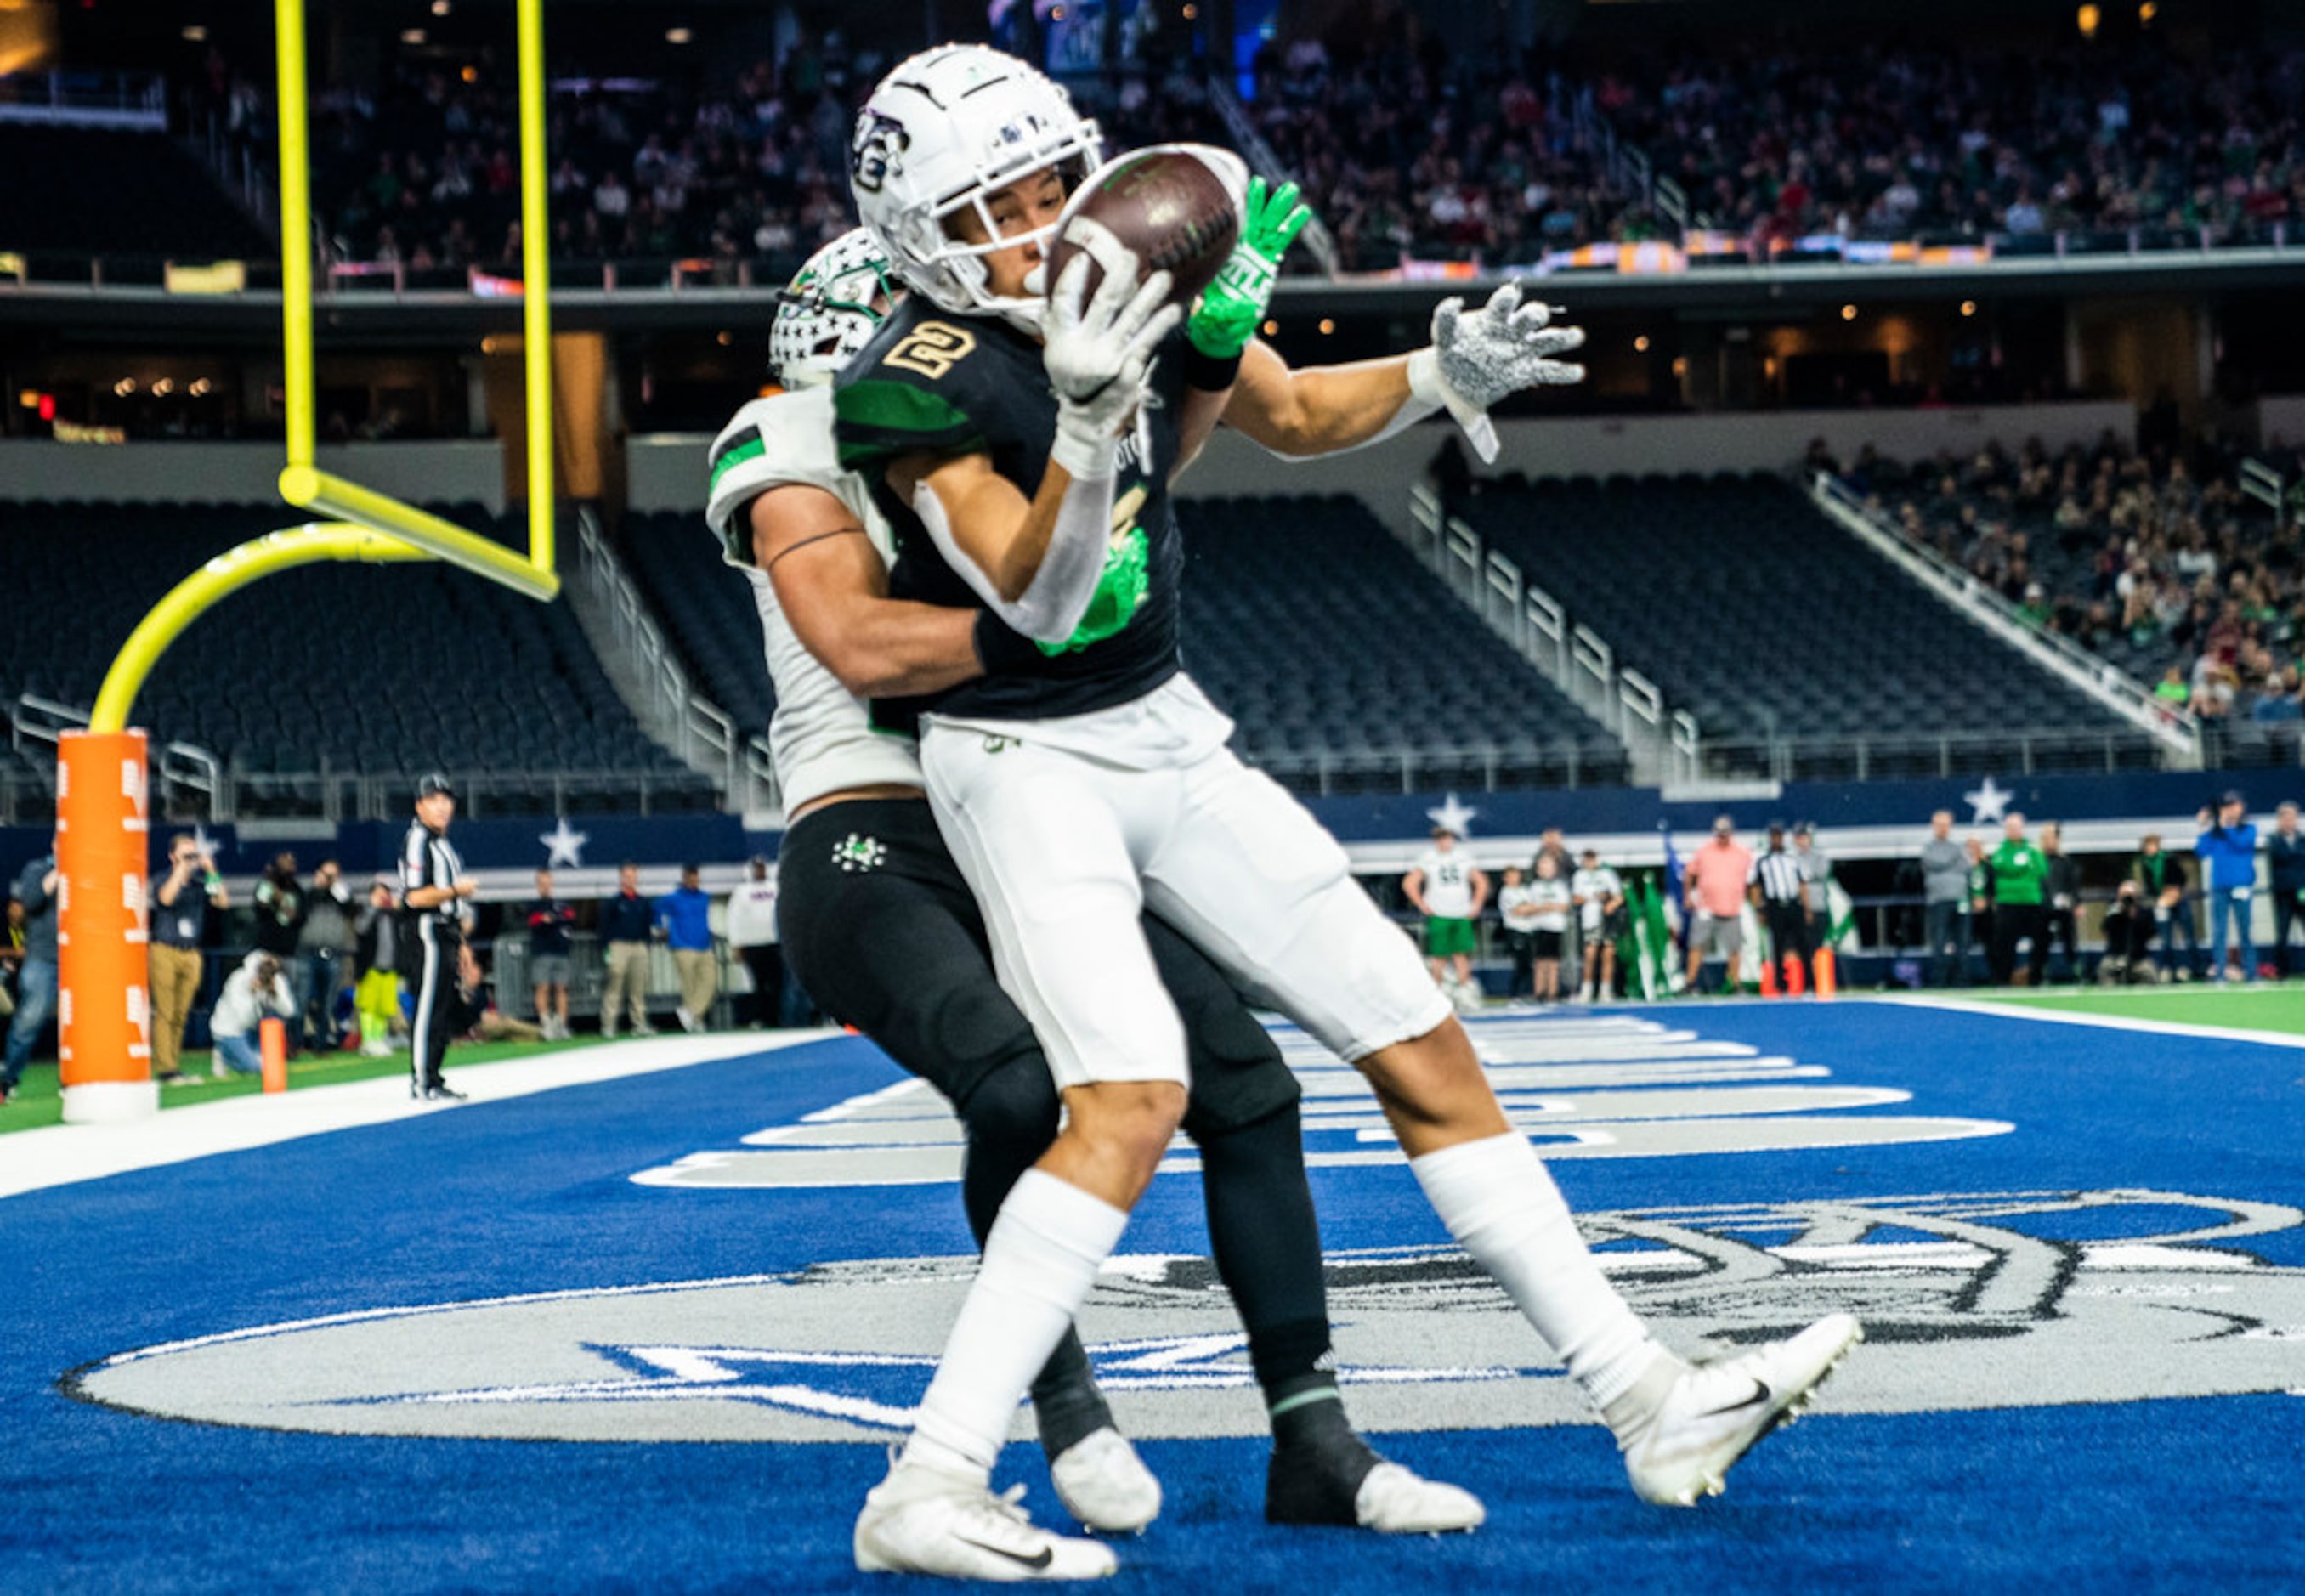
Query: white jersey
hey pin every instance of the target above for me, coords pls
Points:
(753, 913)
(1552, 897)
(1448, 884)
(822, 737)
(1595, 888)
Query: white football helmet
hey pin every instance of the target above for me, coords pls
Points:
(941, 134)
(831, 309)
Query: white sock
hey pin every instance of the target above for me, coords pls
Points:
(1501, 1206)
(1040, 1262)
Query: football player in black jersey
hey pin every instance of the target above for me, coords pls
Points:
(885, 936)
(1023, 448)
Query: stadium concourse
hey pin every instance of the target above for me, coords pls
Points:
(652, 1322)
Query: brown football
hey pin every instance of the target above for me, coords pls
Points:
(1168, 205)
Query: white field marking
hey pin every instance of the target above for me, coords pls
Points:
(2014, 1011)
(62, 1155)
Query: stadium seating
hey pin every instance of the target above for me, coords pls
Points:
(1759, 615)
(134, 193)
(1339, 656)
(705, 609)
(386, 671)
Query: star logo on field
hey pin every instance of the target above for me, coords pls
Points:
(1455, 816)
(565, 844)
(1988, 803)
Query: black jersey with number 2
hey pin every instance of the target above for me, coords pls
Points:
(935, 384)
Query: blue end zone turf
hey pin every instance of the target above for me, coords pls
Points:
(2033, 1291)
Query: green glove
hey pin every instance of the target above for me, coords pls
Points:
(1233, 306)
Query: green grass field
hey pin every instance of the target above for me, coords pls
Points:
(39, 1103)
(2266, 1007)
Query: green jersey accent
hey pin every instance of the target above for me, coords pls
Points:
(1120, 594)
(879, 420)
(751, 448)
(2019, 873)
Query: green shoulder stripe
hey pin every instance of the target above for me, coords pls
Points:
(876, 420)
(751, 448)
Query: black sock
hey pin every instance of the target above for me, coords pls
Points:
(1318, 1462)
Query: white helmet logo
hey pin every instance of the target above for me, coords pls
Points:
(878, 150)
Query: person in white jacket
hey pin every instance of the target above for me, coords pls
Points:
(257, 989)
(752, 933)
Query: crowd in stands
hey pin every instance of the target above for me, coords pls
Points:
(1889, 143)
(1403, 157)
(2156, 561)
(1404, 151)
(424, 172)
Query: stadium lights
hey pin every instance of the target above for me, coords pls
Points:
(678, 35)
(199, 389)
(124, 386)
(163, 388)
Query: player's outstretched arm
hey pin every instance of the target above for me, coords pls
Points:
(833, 588)
(1475, 359)
(1230, 309)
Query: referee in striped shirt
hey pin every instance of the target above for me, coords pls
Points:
(433, 886)
(1780, 889)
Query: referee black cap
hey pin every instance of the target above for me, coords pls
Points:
(432, 782)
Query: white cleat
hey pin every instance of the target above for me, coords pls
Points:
(918, 1521)
(1103, 1483)
(1397, 1501)
(1714, 1413)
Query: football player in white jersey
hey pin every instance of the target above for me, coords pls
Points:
(1085, 778)
(883, 933)
(1449, 890)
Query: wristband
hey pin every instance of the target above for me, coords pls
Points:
(1209, 373)
(1084, 456)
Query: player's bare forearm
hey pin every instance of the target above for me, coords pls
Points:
(1203, 409)
(1319, 410)
(1005, 534)
(833, 588)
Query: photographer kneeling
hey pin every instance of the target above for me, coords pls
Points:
(256, 989)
